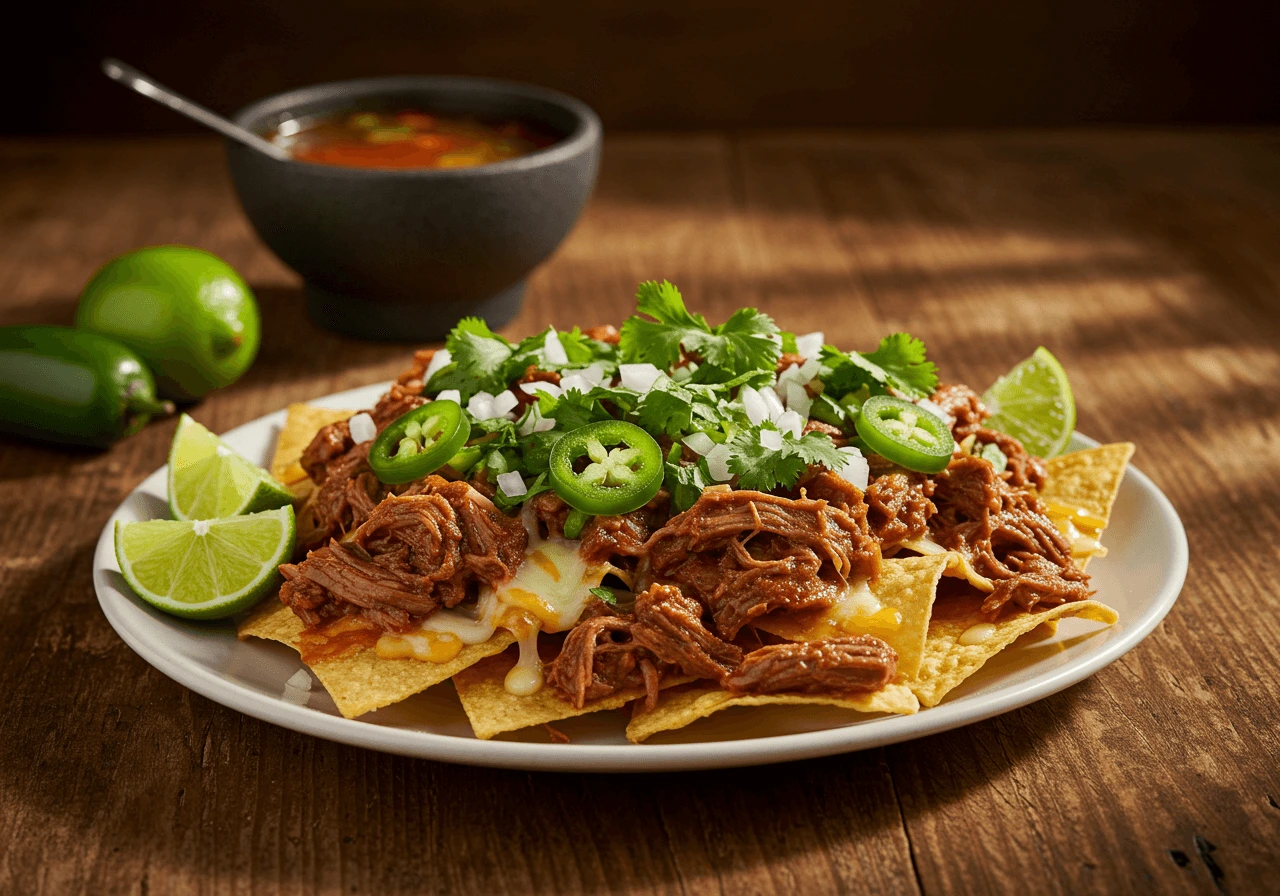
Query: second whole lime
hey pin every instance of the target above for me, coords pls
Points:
(186, 312)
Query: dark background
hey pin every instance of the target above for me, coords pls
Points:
(667, 64)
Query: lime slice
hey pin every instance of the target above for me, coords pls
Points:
(207, 480)
(1033, 403)
(205, 569)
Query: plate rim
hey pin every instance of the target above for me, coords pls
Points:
(571, 757)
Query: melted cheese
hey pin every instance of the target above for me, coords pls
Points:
(976, 634)
(548, 593)
(857, 611)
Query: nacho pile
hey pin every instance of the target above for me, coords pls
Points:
(770, 562)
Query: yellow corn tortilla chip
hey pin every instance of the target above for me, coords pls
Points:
(958, 565)
(947, 662)
(906, 584)
(683, 706)
(1088, 479)
(363, 681)
(300, 426)
(493, 710)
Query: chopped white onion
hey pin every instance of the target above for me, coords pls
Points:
(553, 350)
(855, 470)
(534, 422)
(638, 377)
(790, 375)
(810, 344)
(771, 439)
(503, 403)
(575, 382)
(757, 410)
(790, 421)
(480, 406)
(300, 679)
(362, 427)
(718, 463)
(699, 443)
(593, 373)
(438, 362)
(798, 400)
(450, 395)
(512, 484)
(809, 369)
(772, 402)
(539, 386)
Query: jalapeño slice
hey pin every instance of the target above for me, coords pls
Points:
(906, 434)
(624, 469)
(419, 442)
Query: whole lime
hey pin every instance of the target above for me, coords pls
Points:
(185, 311)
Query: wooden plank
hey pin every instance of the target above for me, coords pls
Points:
(1145, 261)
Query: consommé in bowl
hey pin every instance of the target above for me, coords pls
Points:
(402, 254)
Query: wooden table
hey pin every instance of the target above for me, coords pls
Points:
(1149, 262)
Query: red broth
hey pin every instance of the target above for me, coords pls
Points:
(407, 139)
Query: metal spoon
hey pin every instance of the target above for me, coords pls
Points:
(131, 77)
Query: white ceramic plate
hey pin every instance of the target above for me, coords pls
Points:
(1140, 578)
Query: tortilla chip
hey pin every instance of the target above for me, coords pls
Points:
(683, 706)
(300, 426)
(947, 662)
(363, 681)
(958, 565)
(1088, 479)
(493, 710)
(906, 584)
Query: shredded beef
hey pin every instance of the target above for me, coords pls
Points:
(606, 333)
(836, 433)
(831, 668)
(745, 553)
(417, 371)
(823, 485)
(599, 657)
(413, 554)
(898, 506)
(963, 405)
(786, 359)
(1023, 468)
(1004, 533)
(669, 625)
(604, 538)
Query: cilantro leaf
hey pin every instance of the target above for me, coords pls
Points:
(685, 482)
(479, 358)
(992, 454)
(747, 341)
(764, 469)
(902, 358)
(606, 595)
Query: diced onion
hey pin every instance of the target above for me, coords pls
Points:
(450, 395)
(700, 443)
(798, 400)
(810, 344)
(553, 350)
(773, 403)
(638, 377)
(512, 484)
(771, 439)
(753, 402)
(575, 382)
(438, 362)
(791, 374)
(593, 373)
(809, 369)
(503, 403)
(855, 471)
(362, 427)
(539, 386)
(936, 410)
(718, 463)
(481, 406)
(790, 421)
(300, 679)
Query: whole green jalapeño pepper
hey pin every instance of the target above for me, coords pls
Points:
(621, 469)
(419, 442)
(59, 384)
(906, 434)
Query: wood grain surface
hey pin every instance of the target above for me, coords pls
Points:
(1149, 262)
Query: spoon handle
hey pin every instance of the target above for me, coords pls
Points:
(132, 78)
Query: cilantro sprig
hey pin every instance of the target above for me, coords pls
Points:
(764, 469)
(899, 364)
(748, 341)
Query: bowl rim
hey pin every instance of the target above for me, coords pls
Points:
(585, 134)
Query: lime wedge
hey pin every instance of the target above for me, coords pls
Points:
(205, 569)
(1033, 403)
(207, 480)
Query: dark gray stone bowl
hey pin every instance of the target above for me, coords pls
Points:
(401, 255)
